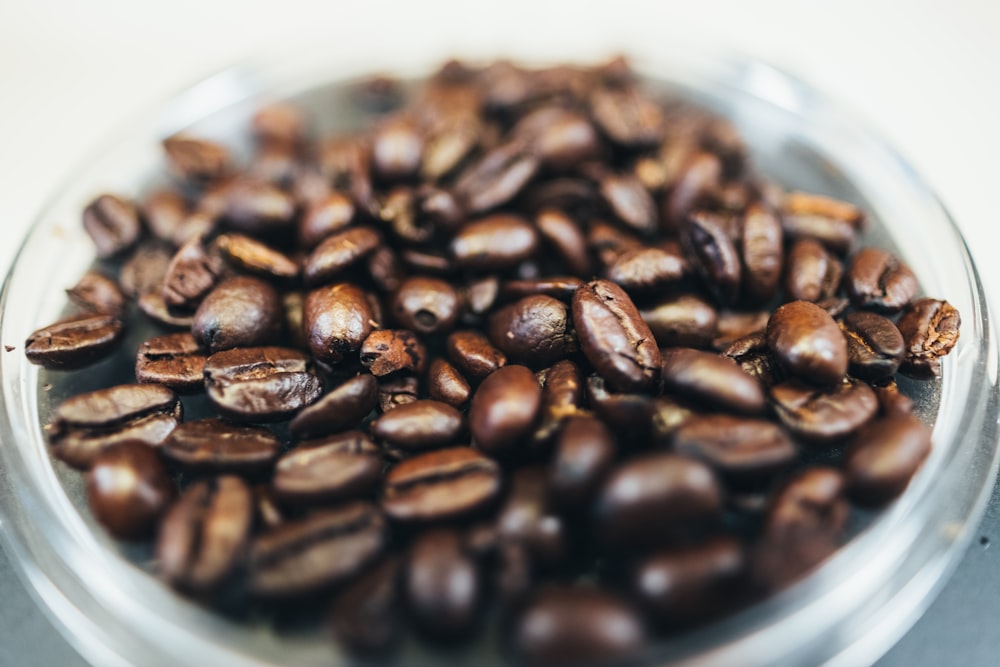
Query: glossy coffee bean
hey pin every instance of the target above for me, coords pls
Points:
(561, 138)
(338, 252)
(473, 355)
(813, 273)
(260, 383)
(97, 293)
(646, 269)
(112, 223)
(808, 343)
(562, 396)
(753, 355)
(366, 617)
(621, 411)
(526, 517)
(256, 258)
(713, 254)
(192, 273)
(442, 585)
(608, 242)
(495, 178)
(439, 485)
(202, 538)
(498, 241)
(301, 557)
(214, 445)
(397, 147)
(629, 201)
(74, 342)
(196, 160)
(128, 489)
(426, 305)
(682, 321)
(392, 350)
(891, 400)
(535, 330)
(239, 312)
(446, 384)
(823, 415)
(614, 337)
(739, 448)
(883, 457)
(151, 305)
(732, 325)
(584, 454)
(930, 329)
(665, 416)
(762, 253)
(876, 279)
(420, 425)
(874, 345)
(708, 378)
(254, 206)
(564, 235)
(397, 389)
(345, 406)
(337, 320)
(699, 176)
(828, 221)
(331, 469)
(504, 409)
(324, 217)
(173, 360)
(345, 161)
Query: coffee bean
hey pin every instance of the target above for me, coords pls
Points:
(823, 416)
(199, 161)
(608, 242)
(338, 252)
(165, 212)
(397, 147)
(504, 409)
(422, 424)
(753, 355)
(96, 293)
(239, 312)
(302, 557)
(449, 143)
(646, 269)
(365, 618)
(713, 254)
(145, 269)
(742, 450)
(930, 329)
(441, 585)
(874, 345)
(426, 305)
(498, 241)
(213, 445)
(192, 273)
(257, 207)
(813, 273)
(343, 407)
(561, 288)
(679, 495)
(559, 137)
(129, 490)
(891, 400)
(335, 468)
(665, 416)
(584, 453)
(566, 238)
(446, 384)
(174, 360)
(621, 411)
(473, 355)
(346, 163)
(324, 217)
(397, 389)
(732, 325)
(152, 306)
(682, 321)
(260, 383)
(808, 343)
(74, 342)
(534, 330)
(439, 485)
(877, 280)
(709, 378)
(112, 223)
(828, 221)
(256, 258)
(628, 201)
(202, 538)
(883, 457)
(338, 318)
(561, 625)
(562, 396)
(699, 176)
(526, 517)
(761, 253)
(496, 178)
(386, 269)
(391, 350)
(627, 116)
(614, 338)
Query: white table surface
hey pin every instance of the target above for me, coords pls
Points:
(925, 74)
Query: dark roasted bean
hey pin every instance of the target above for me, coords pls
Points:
(685, 320)
(700, 175)
(145, 269)
(192, 273)
(112, 223)
(392, 350)
(608, 242)
(258, 207)
(397, 147)
(813, 273)
(324, 217)
(442, 585)
(713, 254)
(165, 212)
(260, 383)
(808, 343)
(646, 269)
(614, 337)
(336, 468)
(823, 416)
(828, 221)
(930, 329)
(534, 330)
(498, 241)
(174, 360)
(883, 457)
(96, 293)
(152, 306)
(876, 279)
(439, 485)
(196, 160)
(338, 319)
(732, 325)
(426, 305)
(422, 424)
(128, 489)
(254, 257)
(666, 416)
(344, 407)
(445, 383)
(473, 355)
(526, 517)
(754, 356)
(874, 345)
(274, 162)
(497, 177)
(74, 342)
(338, 252)
(561, 138)
(396, 390)
(365, 618)
(203, 536)
(625, 412)
(504, 409)
(584, 453)
(565, 236)
(239, 312)
(628, 201)
(741, 449)
(762, 253)
(562, 396)
(891, 401)
(711, 379)
(836, 306)
(213, 445)
(346, 163)
(627, 116)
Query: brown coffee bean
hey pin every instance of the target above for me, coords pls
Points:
(113, 225)
(324, 217)
(628, 201)
(96, 293)
(365, 618)
(335, 468)
(258, 207)
(338, 319)
(74, 342)
(498, 241)
(829, 221)
(446, 384)
(732, 325)
(762, 253)
(239, 312)
(891, 401)
(711, 379)
(397, 147)
(874, 345)
(202, 538)
(647, 269)
(260, 383)
(665, 417)
(562, 396)
(808, 343)
(682, 321)
(584, 453)
(192, 273)
(713, 254)
(338, 252)
(823, 416)
(426, 305)
(128, 489)
(753, 355)
(345, 406)
(152, 306)
(813, 273)
(614, 338)
(439, 485)
(741, 449)
(576, 626)
(504, 409)
(256, 258)
(496, 178)
(420, 425)
(145, 269)
(473, 355)
(391, 350)
(566, 238)
(449, 143)
(346, 163)
(836, 306)
(877, 280)
(678, 495)
(174, 360)
(164, 212)
(534, 330)
(883, 457)
(302, 557)
(198, 161)
(441, 585)
(559, 137)
(526, 518)
(557, 287)
(621, 411)
(608, 242)
(627, 116)
(930, 329)
(397, 389)
(213, 445)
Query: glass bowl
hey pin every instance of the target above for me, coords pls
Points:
(847, 612)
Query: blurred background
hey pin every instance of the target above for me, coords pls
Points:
(922, 73)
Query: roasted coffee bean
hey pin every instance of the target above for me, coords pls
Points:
(325, 217)
(496, 178)
(683, 586)
(426, 305)
(258, 207)
(448, 144)
(711, 379)
(446, 384)
(392, 350)
(473, 355)
(504, 409)
(198, 161)
(422, 424)
(628, 201)
(526, 517)
(614, 337)
(365, 617)
(700, 175)
(874, 345)
(338, 252)
(761, 253)
(74, 342)
(534, 330)
(732, 325)
(213, 445)
(174, 360)
(808, 343)
(877, 280)
(165, 212)
(930, 329)
(442, 585)
(836, 306)
(608, 242)
(883, 457)
(145, 269)
(397, 147)
(336, 468)
(646, 269)
(260, 383)
(302, 557)
(685, 321)
(481, 294)
(338, 319)
(152, 306)
(256, 258)
(577, 626)
(498, 241)
(397, 389)
(562, 396)
(96, 293)
(128, 489)
(627, 116)
(557, 287)
(343, 407)
(829, 221)
(566, 238)
(677, 494)
(621, 411)
(346, 163)
(665, 417)
(202, 538)
(439, 485)
(561, 138)
(192, 273)
(584, 453)
(820, 415)
(398, 210)
(813, 273)
(713, 254)
(239, 312)
(741, 449)
(754, 356)
(891, 401)
(112, 223)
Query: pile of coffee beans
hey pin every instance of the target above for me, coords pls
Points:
(536, 347)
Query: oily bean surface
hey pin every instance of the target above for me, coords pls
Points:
(823, 415)
(442, 484)
(504, 409)
(343, 407)
(709, 378)
(128, 489)
(808, 343)
(260, 383)
(239, 312)
(874, 345)
(214, 445)
(174, 360)
(74, 342)
(930, 329)
(328, 470)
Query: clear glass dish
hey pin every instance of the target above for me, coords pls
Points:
(848, 612)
